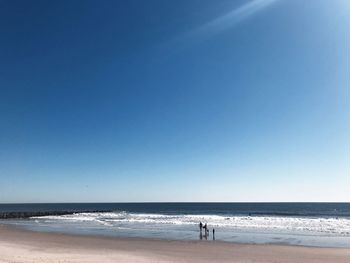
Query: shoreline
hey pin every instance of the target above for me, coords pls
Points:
(20, 245)
(19, 228)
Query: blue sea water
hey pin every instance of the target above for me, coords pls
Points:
(310, 224)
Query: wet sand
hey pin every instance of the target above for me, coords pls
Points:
(17, 245)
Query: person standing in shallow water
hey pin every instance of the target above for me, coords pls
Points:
(200, 230)
(213, 233)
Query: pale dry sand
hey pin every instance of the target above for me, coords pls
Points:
(18, 245)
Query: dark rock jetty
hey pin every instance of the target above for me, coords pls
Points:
(19, 215)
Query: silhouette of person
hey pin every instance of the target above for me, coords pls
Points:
(213, 234)
(200, 226)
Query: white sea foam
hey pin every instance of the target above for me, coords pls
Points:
(300, 225)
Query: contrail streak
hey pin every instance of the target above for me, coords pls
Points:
(232, 18)
(213, 27)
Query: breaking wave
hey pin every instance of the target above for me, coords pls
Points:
(303, 225)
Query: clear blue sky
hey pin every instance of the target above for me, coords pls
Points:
(187, 100)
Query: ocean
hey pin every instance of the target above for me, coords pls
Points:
(307, 224)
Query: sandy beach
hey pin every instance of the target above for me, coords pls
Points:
(17, 245)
